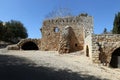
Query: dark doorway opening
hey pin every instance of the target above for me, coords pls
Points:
(115, 59)
(29, 46)
(87, 51)
(76, 45)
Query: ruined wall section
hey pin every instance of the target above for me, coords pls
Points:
(50, 36)
(23, 41)
(78, 24)
(64, 43)
(88, 46)
(103, 46)
(19, 45)
(87, 23)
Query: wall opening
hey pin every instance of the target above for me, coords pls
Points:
(76, 45)
(29, 46)
(87, 51)
(115, 59)
(56, 29)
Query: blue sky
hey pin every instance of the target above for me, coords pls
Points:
(32, 12)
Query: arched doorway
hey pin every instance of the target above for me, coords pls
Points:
(115, 59)
(87, 51)
(29, 46)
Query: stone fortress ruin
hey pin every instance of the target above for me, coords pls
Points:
(72, 34)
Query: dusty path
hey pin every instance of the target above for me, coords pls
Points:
(40, 65)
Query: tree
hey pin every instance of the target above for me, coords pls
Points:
(105, 31)
(58, 13)
(116, 24)
(2, 30)
(14, 31)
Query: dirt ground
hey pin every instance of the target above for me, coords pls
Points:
(49, 65)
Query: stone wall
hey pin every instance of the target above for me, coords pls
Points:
(19, 45)
(81, 26)
(23, 41)
(64, 43)
(103, 47)
(88, 46)
(52, 34)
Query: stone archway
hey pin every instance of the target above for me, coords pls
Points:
(29, 46)
(115, 58)
(87, 51)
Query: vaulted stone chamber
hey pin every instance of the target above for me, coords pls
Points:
(29, 46)
(115, 59)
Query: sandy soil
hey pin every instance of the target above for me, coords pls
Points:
(49, 65)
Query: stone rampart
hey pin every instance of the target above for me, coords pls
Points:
(103, 47)
(81, 27)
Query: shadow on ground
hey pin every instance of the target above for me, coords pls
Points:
(17, 68)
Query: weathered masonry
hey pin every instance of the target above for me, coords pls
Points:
(26, 44)
(61, 34)
(72, 34)
(66, 34)
(104, 49)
